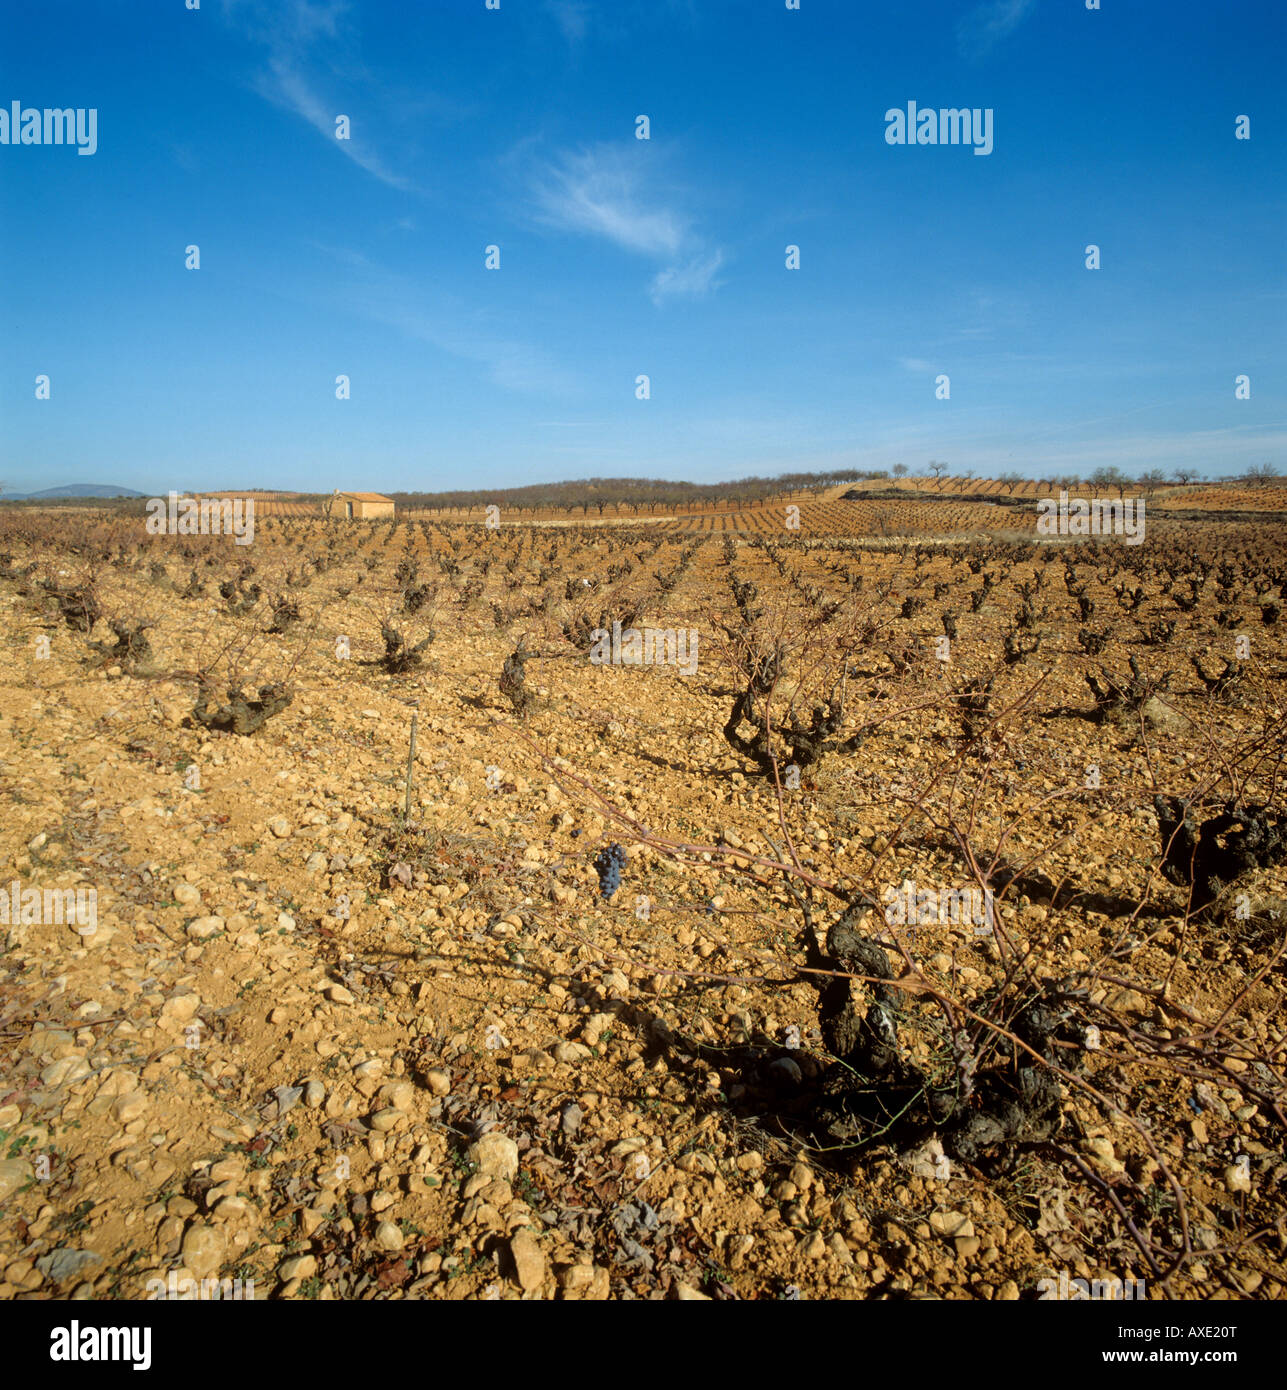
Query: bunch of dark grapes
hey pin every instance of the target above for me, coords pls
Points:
(608, 864)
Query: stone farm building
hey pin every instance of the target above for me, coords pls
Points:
(363, 506)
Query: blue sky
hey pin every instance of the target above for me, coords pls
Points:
(619, 256)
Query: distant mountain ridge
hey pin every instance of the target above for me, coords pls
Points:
(73, 490)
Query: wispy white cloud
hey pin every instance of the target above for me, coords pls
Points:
(516, 366)
(285, 85)
(915, 364)
(599, 192)
(988, 24)
(355, 260)
(607, 191)
(690, 280)
(295, 34)
(386, 297)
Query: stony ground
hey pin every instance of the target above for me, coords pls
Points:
(343, 1053)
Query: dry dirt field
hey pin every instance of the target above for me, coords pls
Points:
(946, 958)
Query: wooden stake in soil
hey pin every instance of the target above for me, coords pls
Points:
(411, 762)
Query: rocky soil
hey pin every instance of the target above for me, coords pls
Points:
(342, 1053)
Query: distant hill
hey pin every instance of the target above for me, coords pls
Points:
(631, 492)
(72, 490)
